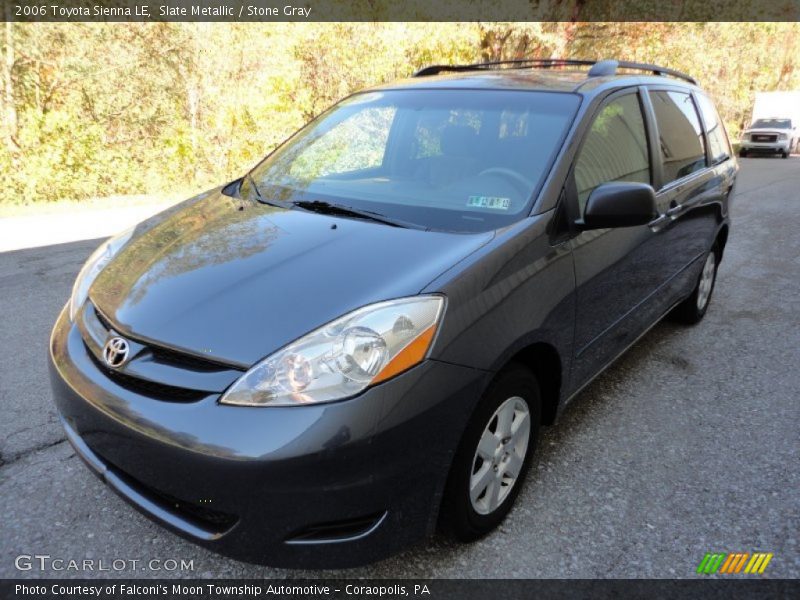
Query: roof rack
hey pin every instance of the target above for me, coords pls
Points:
(609, 67)
(525, 63)
(599, 68)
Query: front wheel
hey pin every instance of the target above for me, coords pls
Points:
(493, 456)
(694, 308)
(742, 153)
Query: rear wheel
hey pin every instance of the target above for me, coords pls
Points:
(694, 308)
(493, 456)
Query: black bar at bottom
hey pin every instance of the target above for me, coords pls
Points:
(434, 589)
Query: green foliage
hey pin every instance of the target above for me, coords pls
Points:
(356, 143)
(109, 109)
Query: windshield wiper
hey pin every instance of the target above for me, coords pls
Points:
(328, 208)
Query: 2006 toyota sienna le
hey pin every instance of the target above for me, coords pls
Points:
(317, 364)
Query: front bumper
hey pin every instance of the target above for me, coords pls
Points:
(325, 486)
(768, 147)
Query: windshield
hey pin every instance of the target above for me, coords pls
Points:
(454, 160)
(772, 124)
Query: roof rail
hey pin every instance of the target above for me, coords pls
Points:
(598, 68)
(609, 67)
(525, 63)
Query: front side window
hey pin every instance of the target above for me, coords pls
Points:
(455, 160)
(680, 134)
(615, 149)
(715, 131)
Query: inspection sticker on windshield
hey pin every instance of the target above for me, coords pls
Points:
(493, 202)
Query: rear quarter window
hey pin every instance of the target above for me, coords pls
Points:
(718, 144)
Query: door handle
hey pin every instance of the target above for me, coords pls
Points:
(659, 222)
(673, 212)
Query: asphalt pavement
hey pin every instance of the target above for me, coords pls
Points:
(689, 444)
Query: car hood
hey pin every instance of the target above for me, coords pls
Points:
(769, 131)
(236, 280)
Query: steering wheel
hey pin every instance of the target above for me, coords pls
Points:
(522, 183)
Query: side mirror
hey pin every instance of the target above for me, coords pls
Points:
(619, 204)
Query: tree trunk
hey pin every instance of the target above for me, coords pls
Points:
(10, 110)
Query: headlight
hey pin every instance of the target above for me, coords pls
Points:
(91, 269)
(783, 136)
(344, 357)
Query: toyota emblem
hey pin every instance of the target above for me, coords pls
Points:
(115, 352)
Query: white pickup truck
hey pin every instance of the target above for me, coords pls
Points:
(776, 123)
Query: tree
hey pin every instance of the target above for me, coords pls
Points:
(99, 109)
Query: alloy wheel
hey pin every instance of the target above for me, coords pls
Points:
(706, 280)
(500, 455)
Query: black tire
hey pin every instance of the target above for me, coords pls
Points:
(784, 155)
(689, 311)
(743, 153)
(458, 517)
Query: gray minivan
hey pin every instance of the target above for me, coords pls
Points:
(317, 364)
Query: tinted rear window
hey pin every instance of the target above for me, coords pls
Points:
(717, 138)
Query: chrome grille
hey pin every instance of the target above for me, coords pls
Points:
(763, 137)
(151, 389)
(154, 371)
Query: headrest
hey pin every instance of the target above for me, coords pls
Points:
(458, 140)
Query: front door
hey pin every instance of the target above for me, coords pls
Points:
(616, 270)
